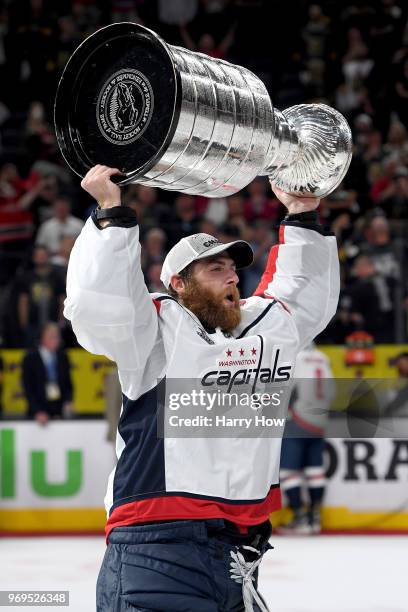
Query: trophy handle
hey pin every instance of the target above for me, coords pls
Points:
(311, 150)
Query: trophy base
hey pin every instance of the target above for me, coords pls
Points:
(111, 87)
(323, 151)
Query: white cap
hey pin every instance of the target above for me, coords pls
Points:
(200, 246)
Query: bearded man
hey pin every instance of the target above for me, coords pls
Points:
(188, 518)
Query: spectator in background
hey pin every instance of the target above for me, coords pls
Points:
(47, 379)
(262, 239)
(214, 210)
(144, 201)
(339, 202)
(60, 265)
(367, 303)
(62, 224)
(178, 12)
(17, 193)
(40, 296)
(401, 93)
(68, 41)
(396, 140)
(153, 247)
(40, 138)
(401, 363)
(153, 281)
(61, 258)
(185, 220)
(208, 227)
(41, 206)
(316, 32)
(349, 98)
(87, 15)
(125, 10)
(235, 212)
(213, 29)
(315, 35)
(373, 153)
(383, 186)
(206, 43)
(22, 201)
(16, 197)
(342, 227)
(152, 212)
(386, 31)
(228, 232)
(35, 47)
(379, 247)
(396, 204)
(357, 64)
(398, 397)
(360, 171)
(259, 204)
(363, 126)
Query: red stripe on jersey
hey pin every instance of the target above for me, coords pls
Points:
(270, 269)
(157, 303)
(169, 508)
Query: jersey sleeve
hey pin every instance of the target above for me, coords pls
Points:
(302, 271)
(107, 300)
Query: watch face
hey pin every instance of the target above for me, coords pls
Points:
(117, 101)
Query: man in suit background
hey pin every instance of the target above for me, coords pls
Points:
(47, 379)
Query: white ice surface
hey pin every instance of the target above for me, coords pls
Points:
(317, 574)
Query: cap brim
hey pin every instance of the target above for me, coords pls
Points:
(239, 250)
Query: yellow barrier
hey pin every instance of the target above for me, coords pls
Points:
(345, 519)
(48, 520)
(88, 373)
(382, 367)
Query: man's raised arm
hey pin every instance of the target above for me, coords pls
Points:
(303, 269)
(107, 300)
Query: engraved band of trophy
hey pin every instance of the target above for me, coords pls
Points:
(183, 121)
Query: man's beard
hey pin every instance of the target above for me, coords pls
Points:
(209, 307)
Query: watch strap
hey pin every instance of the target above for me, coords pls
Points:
(118, 216)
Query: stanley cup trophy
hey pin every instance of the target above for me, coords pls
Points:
(183, 121)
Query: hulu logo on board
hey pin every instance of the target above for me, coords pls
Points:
(37, 470)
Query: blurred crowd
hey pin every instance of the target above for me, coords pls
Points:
(351, 55)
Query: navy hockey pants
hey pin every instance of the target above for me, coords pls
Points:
(180, 566)
(300, 448)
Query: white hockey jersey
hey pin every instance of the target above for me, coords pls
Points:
(152, 337)
(314, 390)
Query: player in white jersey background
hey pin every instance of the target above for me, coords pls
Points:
(302, 469)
